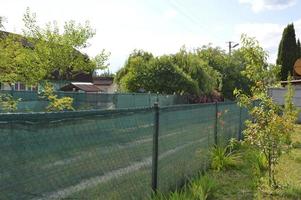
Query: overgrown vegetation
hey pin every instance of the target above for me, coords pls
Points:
(270, 126)
(200, 188)
(55, 103)
(47, 52)
(247, 179)
(8, 103)
(267, 136)
(200, 72)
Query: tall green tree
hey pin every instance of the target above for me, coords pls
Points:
(43, 50)
(299, 48)
(15, 62)
(183, 72)
(287, 51)
(145, 72)
(60, 50)
(230, 68)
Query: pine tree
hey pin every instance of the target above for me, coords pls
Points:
(287, 51)
(299, 48)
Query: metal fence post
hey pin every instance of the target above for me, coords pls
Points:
(155, 149)
(215, 123)
(149, 99)
(239, 125)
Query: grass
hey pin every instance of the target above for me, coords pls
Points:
(288, 172)
(243, 181)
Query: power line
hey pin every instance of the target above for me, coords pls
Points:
(190, 16)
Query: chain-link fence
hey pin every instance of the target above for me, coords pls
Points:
(110, 154)
(31, 101)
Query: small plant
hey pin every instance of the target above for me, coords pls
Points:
(8, 103)
(203, 187)
(56, 104)
(172, 196)
(296, 145)
(292, 192)
(223, 158)
(258, 165)
(234, 145)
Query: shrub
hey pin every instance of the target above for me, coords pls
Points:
(234, 145)
(55, 103)
(223, 158)
(172, 196)
(8, 103)
(257, 163)
(61, 104)
(292, 192)
(203, 187)
(296, 145)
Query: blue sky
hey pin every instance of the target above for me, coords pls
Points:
(163, 26)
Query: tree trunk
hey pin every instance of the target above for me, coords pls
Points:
(270, 167)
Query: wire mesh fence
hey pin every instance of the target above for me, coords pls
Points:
(31, 101)
(109, 154)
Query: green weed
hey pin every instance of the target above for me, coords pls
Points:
(203, 187)
(222, 158)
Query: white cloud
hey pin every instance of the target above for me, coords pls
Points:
(121, 26)
(260, 5)
(268, 35)
(170, 13)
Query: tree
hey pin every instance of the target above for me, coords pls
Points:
(299, 49)
(60, 51)
(287, 51)
(229, 67)
(270, 128)
(183, 72)
(44, 52)
(15, 60)
(208, 78)
(144, 72)
(145, 56)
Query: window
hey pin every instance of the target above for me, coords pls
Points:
(22, 86)
(16, 86)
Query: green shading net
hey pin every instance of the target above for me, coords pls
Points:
(185, 135)
(107, 154)
(31, 101)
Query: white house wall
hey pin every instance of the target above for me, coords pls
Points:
(278, 96)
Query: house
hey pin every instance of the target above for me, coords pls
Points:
(105, 84)
(18, 87)
(80, 87)
(278, 94)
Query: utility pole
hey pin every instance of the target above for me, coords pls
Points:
(231, 46)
